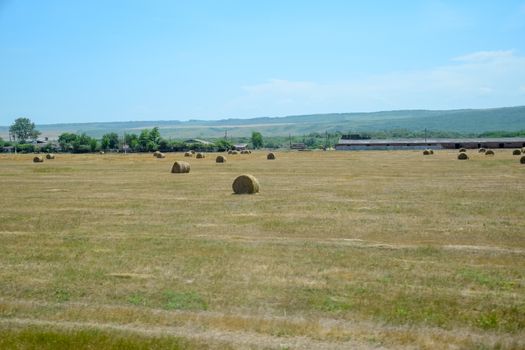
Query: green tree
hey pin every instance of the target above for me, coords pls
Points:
(23, 129)
(144, 139)
(109, 141)
(257, 139)
(66, 140)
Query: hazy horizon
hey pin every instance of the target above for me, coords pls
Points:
(64, 62)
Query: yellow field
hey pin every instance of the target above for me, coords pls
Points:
(339, 250)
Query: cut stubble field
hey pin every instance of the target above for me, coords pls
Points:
(338, 250)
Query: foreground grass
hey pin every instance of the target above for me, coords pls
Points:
(42, 338)
(375, 247)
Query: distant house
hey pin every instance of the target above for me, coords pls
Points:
(200, 141)
(240, 147)
(298, 146)
(8, 149)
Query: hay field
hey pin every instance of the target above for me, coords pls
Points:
(339, 250)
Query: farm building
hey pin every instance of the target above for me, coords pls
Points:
(347, 143)
(298, 146)
(240, 147)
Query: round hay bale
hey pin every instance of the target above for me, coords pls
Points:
(426, 152)
(235, 152)
(188, 154)
(200, 155)
(180, 167)
(462, 156)
(431, 151)
(38, 159)
(245, 184)
(516, 152)
(50, 156)
(270, 156)
(101, 152)
(160, 155)
(244, 151)
(482, 150)
(230, 152)
(462, 150)
(489, 152)
(522, 160)
(156, 153)
(220, 159)
(192, 152)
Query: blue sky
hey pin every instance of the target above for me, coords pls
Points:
(81, 61)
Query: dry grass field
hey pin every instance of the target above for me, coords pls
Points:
(339, 250)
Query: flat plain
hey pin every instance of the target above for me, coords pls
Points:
(339, 250)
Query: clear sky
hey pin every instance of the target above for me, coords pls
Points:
(81, 61)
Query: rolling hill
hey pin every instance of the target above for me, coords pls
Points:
(462, 121)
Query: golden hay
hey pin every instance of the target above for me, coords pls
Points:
(462, 156)
(160, 155)
(200, 155)
(431, 151)
(270, 156)
(522, 160)
(188, 154)
(234, 152)
(50, 156)
(245, 152)
(220, 159)
(180, 167)
(482, 150)
(462, 150)
(426, 152)
(156, 153)
(245, 184)
(489, 152)
(38, 159)
(192, 152)
(516, 152)
(230, 152)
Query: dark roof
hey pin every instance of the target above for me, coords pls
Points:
(431, 141)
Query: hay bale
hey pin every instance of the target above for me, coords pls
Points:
(516, 152)
(462, 156)
(230, 152)
(180, 167)
(160, 155)
(50, 156)
(192, 152)
(188, 154)
(426, 152)
(235, 152)
(220, 159)
(522, 160)
(245, 184)
(482, 150)
(101, 152)
(431, 151)
(38, 159)
(270, 156)
(489, 152)
(462, 150)
(200, 155)
(156, 153)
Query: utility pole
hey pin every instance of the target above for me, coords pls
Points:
(290, 139)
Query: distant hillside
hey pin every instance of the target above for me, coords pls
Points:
(462, 121)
